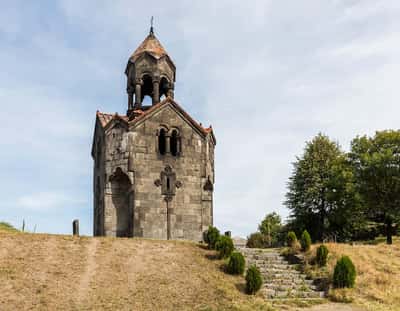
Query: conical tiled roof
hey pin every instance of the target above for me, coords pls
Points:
(150, 45)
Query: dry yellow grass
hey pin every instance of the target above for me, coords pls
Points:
(54, 272)
(378, 274)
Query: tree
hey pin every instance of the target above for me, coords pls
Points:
(321, 191)
(376, 162)
(271, 227)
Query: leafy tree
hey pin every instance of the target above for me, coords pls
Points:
(271, 227)
(256, 240)
(377, 168)
(321, 193)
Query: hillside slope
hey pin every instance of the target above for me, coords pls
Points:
(54, 272)
(378, 274)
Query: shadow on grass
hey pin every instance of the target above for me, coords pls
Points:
(203, 246)
(212, 256)
(241, 287)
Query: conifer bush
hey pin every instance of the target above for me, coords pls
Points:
(305, 241)
(236, 263)
(224, 246)
(211, 237)
(344, 274)
(291, 239)
(253, 280)
(322, 255)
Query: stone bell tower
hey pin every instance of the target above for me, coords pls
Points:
(153, 172)
(150, 71)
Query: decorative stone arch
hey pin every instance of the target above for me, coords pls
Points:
(164, 88)
(162, 137)
(147, 86)
(122, 199)
(175, 145)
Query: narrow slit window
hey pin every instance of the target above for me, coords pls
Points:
(161, 142)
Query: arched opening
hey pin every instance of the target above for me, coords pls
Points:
(147, 89)
(164, 86)
(147, 101)
(174, 143)
(120, 188)
(162, 145)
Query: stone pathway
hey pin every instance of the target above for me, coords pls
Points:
(281, 279)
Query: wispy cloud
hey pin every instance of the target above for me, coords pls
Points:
(44, 201)
(268, 75)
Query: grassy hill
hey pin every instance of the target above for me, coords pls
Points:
(54, 272)
(5, 226)
(378, 274)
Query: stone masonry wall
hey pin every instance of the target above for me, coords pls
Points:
(135, 152)
(188, 214)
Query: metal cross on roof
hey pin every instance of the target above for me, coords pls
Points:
(151, 25)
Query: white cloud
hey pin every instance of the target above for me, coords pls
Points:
(268, 75)
(44, 201)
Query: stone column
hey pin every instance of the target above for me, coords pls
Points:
(167, 144)
(156, 90)
(138, 93)
(170, 92)
(130, 99)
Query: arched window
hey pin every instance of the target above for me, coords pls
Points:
(174, 143)
(162, 141)
(164, 87)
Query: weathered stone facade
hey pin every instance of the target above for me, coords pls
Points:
(154, 167)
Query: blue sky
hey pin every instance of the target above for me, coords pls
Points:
(268, 75)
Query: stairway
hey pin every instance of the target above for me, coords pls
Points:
(281, 279)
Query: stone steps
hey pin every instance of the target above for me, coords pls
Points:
(281, 279)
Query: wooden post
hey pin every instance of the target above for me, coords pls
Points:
(75, 227)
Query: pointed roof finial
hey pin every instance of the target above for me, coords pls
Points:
(151, 25)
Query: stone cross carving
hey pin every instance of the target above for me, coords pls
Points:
(168, 183)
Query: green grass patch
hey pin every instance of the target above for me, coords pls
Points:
(5, 226)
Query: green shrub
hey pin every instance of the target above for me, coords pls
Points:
(322, 255)
(256, 240)
(211, 237)
(344, 274)
(236, 263)
(305, 241)
(224, 246)
(291, 239)
(253, 280)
